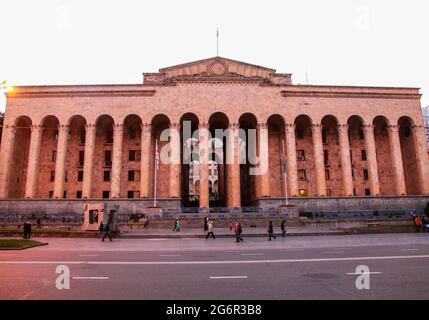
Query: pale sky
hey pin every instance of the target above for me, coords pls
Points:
(372, 42)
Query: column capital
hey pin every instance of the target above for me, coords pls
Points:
(262, 125)
(316, 127)
(118, 126)
(343, 127)
(63, 127)
(175, 125)
(146, 126)
(35, 127)
(234, 125)
(290, 126)
(90, 126)
(203, 125)
(415, 126)
(393, 128)
(368, 127)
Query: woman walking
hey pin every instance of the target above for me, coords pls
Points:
(210, 228)
(271, 231)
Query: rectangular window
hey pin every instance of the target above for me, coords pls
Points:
(132, 155)
(130, 194)
(327, 175)
(363, 154)
(367, 192)
(131, 175)
(324, 136)
(51, 194)
(78, 194)
(354, 192)
(52, 176)
(353, 174)
(329, 192)
(82, 135)
(65, 195)
(54, 156)
(303, 193)
(302, 175)
(326, 157)
(138, 155)
(81, 157)
(108, 157)
(109, 136)
(300, 134)
(106, 194)
(301, 155)
(106, 176)
(365, 174)
(80, 175)
(65, 176)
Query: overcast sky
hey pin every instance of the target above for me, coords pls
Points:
(374, 43)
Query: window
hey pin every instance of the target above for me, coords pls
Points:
(361, 134)
(300, 133)
(80, 175)
(54, 156)
(108, 157)
(303, 192)
(52, 176)
(78, 194)
(82, 135)
(354, 192)
(302, 175)
(130, 194)
(65, 176)
(367, 192)
(81, 157)
(106, 194)
(65, 194)
(301, 155)
(131, 175)
(132, 155)
(327, 175)
(363, 154)
(353, 174)
(55, 135)
(365, 174)
(324, 136)
(326, 157)
(132, 134)
(329, 192)
(51, 194)
(109, 136)
(106, 176)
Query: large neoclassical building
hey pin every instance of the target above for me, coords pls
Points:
(84, 142)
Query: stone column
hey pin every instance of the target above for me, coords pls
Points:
(398, 168)
(264, 164)
(203, 149)
(422, 158)
(6, 153)
(291, 165)
(63, 131)
(175, 165)
(33, 161)
(233, 167)
(346, 164)
(319, 164)
(88, 164)
(371, 160)
(145, 155)
(118, 136)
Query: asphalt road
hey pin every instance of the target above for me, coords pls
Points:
(317, 267)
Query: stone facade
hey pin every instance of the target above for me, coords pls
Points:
(98, 141)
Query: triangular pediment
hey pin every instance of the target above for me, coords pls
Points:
(215, 68)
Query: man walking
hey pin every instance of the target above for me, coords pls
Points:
(283, 228)
(210, 228)
(107, 232)
(238, 231)
(25, 229)
(271, 231)
(100, 229)
(417, 223)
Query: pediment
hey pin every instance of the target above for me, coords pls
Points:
(216, 68)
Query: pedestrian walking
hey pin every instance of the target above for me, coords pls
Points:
(417, 223)
(25, 230)
(100, 229)
(238, 231)
(205, 224)
(283, 228)
(230, 226)
(107, 232)
(28, 230)
(39, 224)
(271, 231)
(176, 223)
(210, 229)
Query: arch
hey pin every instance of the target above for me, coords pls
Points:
(409, 155)
(355, 119)
(218, 118)
(160, 119)
(50, 121)
(104, 119)
(303, 118)
(384, 155)
(76, 118)
(277, 148)
(248, 119)
(358, 155)
(23, 121)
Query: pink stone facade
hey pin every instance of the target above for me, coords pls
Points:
(96, 141)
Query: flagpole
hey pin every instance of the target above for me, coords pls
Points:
(155, 170)
(284, 172)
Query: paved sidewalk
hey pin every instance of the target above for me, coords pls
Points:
(224, 232)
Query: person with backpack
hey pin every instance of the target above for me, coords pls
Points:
(271, 231)
(238, 231)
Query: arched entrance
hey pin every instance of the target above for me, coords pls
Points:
(408, 150)
(75, 157)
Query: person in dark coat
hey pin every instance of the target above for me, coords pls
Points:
(107, 232)
(271, 231)
(238, 231)
(283, 228)
(25, 229)
(100, 229)
(39, 224)
(206, 227)
(28, 230)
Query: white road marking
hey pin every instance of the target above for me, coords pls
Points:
(359, 273)
(169, 255)
(90, 278)
(161, 239)
(89, 255)
(228, 277)
(410, 249)
(252, 254)
(218, 262)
